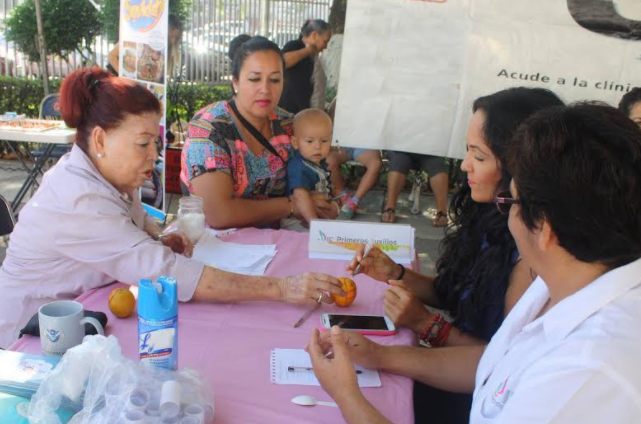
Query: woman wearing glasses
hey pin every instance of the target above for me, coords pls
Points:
(479, 275)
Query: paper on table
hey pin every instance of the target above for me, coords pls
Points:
(282, 359)
(249, 259)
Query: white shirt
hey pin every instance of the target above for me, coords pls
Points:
(75, 234)
(578, 363)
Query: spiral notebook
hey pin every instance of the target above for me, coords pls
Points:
(293, 366)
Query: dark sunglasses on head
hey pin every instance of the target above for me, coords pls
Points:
(504, 201)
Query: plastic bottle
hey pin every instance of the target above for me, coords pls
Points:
(158, 322)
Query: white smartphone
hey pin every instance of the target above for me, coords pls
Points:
(378, 325)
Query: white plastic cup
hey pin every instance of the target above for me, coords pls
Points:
(153, 408)
(138, 399)
(135, 416)
(190, 419)
(195, 410)
(170, 420)
(170, 395)
(112, 391)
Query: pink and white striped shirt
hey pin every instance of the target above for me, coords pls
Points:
(78, 233)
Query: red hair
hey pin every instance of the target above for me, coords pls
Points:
(92, 97)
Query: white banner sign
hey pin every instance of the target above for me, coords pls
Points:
(340, 239)
(143, 58)
(412, 68)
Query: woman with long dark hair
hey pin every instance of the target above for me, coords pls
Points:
(479, 275)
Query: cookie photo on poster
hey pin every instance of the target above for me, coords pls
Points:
(151, 63)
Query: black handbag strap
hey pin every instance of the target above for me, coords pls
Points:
(254, 131)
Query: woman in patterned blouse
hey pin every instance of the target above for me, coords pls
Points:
(236, 151)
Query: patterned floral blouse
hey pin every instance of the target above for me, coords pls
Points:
(214, 144)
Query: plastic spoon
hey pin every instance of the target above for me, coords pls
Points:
(306, 400)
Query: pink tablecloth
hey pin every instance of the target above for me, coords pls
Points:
(230, 343)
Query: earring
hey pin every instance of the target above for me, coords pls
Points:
(99, 155)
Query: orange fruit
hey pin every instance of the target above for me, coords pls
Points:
(121, 302)
(349, 287)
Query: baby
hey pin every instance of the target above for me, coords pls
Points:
(307, 172)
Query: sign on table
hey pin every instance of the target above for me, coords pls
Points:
(340, 239)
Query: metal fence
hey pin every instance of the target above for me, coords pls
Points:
(211, 26)
(214, 23)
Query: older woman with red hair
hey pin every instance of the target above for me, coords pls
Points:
(85, 227)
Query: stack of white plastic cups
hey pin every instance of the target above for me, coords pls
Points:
(143, 406)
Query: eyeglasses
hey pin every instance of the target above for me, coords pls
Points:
(504, 201)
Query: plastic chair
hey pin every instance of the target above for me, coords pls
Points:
(50, 109)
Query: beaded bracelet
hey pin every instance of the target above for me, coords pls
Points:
(424, 335)
(437, 332)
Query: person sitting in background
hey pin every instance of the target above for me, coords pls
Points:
(569, 349)
(85, 226)
(479, 276)
(400, 164)
(307, 170)
(371, 159)
(630, 104)
(301, 56)
(236, 151)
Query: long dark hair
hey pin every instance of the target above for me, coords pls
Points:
(478, 250)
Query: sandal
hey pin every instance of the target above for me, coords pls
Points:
(388, 216)
(440, 220)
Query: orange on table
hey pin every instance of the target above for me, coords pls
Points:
(349, 287)
(121, 302)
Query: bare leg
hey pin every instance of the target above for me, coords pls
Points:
(373, 164)
(395, 183)
(334, 161)
(439, 184)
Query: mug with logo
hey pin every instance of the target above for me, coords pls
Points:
(62, 326)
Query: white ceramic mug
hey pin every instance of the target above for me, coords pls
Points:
(62, 326)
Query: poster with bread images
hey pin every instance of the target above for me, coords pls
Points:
(143, 58)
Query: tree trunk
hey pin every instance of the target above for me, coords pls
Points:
(337, 16)
(42, 48)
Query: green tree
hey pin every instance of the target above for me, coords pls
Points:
(110, 16)
(69, 25)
